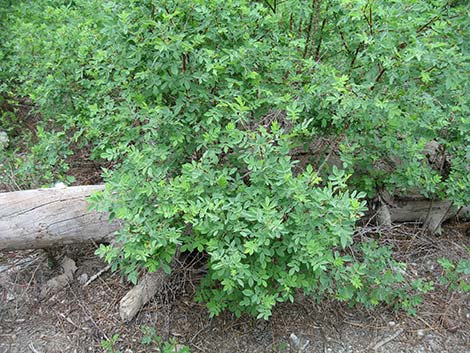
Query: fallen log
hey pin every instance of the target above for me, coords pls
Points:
(430, 213)
(44, 218)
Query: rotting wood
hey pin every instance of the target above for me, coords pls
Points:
(43, 218)
(69, 268)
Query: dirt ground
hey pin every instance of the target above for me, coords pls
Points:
(78, 318)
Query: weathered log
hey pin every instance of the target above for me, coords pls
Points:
(430, 213)
(43, 218)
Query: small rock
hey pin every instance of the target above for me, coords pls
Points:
(83, 278)
(10, 296)
(69, 267)
(298, 344)
(420, 333)
(433, 343)
(430, 266)
(431, 148)
(392, 323)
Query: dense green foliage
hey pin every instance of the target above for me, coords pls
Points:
(204, 108)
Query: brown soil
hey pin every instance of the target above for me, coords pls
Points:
(78, 318)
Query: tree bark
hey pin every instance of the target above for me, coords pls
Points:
(43, 218)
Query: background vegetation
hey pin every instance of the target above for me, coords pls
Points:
(209, 115)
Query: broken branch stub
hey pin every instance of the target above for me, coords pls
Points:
(141, 294)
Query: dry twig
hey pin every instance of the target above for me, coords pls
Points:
(388, 339)
(95, 276)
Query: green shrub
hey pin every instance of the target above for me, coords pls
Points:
(205, 108)
(151, 338)
(110, 344)
(456, 276)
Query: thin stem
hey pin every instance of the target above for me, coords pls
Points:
(273, 9)
(379, 76)
(315, 30)
(427, 24)
(309, 29)
(317, 52)
(344, 42)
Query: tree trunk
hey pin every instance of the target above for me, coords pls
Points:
(43, 218)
